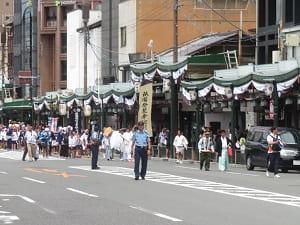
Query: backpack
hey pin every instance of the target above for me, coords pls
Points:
(275, 147)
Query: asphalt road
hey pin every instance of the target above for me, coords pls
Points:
(67, 192)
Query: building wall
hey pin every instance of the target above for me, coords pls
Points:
(224, 118)
(127, 14)
(6, 10)
(75, 60)
(109, 55)
(155, 21)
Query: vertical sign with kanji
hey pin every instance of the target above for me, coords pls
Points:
(145, 106)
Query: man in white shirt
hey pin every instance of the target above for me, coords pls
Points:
(180, 143)
(162, 140)
(206, 147)
(273, 140)
(30, 138)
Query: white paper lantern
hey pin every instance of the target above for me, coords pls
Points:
(87, 110)
(62, 109)
(268, 89)
(228, 92)
(166, 85)
(193, 95)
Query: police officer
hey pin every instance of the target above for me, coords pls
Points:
(95, 148)
(141, 141)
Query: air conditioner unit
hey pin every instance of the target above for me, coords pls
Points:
(292, 40)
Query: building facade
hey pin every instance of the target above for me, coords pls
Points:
(6, 10)
(75, 59)
(53, 42)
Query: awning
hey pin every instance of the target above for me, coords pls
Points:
(17, 105)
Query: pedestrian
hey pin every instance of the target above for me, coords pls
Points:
(44, 138)
(141, 144)
(275, 146)
(180, 144)
(14, 138)
(107, 143)
(127, 143)
(72, 144)
(85, 143)
(95, 148)
(162, 141)
(222, 145)
(9, 132)
(206, 147)
(31, 139)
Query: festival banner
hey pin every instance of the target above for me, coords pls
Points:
(145, 106)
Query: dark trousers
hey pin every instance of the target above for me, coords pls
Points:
(205, 158)
(95, 152)
(9, 143)
(25, 153)
(140, 153)
(274, 159)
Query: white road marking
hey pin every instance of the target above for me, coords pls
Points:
(82, 192)
(185, 167)
(17, 155)
(34, 180)
(20, 196)
(203, 185)
(2, 172)
(8, 219)
(4, 212)
(5, 199)
(245, 174)
(156, 214)
(49, 211)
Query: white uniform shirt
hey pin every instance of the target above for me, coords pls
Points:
(31, 137)
(180, 141)
(72, 141)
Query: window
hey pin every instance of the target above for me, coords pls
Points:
(123, 36)
(257, 136)
(271, 48)
(289, 10)
(50, 16)
(63, 43)
(272, 12)
(65, 11)
(290, 137)
(261, 55)
(63, 70)
(296, 11)
(261, 13)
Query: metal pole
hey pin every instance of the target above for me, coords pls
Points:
(85, 56)
(198, 126)
(102, 115)
(34, 47)
(233, 119)
(240, 37)
(3, 71)
(110, 39)
(175, 32)
(276, 108)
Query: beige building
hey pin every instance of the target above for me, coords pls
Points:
(6, 10)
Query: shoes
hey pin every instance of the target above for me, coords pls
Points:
(180, 162)
(136, 178)
(177, 161)
(206, 169)
(200, 168)
(267, 173)
(277, 176)
(143, 178)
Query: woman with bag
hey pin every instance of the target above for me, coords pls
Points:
(223, 144)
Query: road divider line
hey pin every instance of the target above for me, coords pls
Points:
(173, 219)
(82, 192)
(34, 180)
(185, 167)
(245, 174)
(20, 196)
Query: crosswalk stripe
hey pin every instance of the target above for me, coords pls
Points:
(17, 155)
(221, 188)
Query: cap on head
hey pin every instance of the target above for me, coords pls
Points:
(140, 123)
(207, 133)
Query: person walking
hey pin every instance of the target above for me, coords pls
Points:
(180, 143)
(162, 142)
(206, 147)
(127, 137)
(222, 145)
(30, 139)
(142, 143)
(275, 146)
(44, 139)
(95, 149)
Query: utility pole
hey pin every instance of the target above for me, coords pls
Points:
(3, 41)
(85, 19)
(240, 37)
(110, 40)
(174, 95)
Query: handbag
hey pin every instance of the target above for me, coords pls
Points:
(229, 151)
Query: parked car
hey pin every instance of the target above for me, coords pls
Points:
(257, 148)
